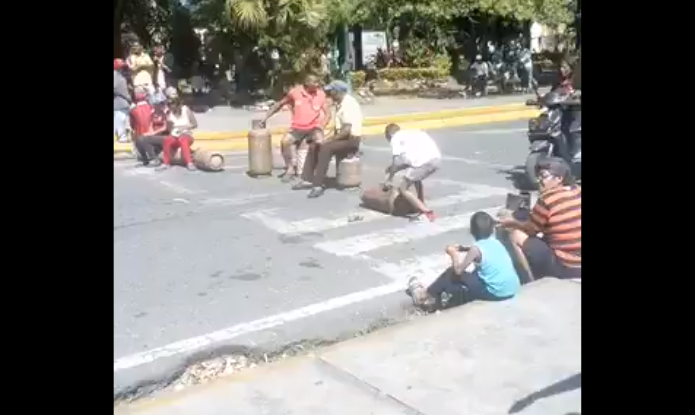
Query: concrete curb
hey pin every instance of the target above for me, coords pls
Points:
(437, 120)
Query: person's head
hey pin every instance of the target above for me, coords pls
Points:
(565, 69)
(118, 64)
(553, 172)
(482, 225)
(174, 103)
(311, 82)
(391, 130)
(136, 48)
(140, 94)
(158, 49)
(337, 90)
(478, 58)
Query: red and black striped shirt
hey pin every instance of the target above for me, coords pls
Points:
(558, 215)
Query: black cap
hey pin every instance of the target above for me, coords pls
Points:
(555, 166)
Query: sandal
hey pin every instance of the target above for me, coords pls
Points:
(414, 285)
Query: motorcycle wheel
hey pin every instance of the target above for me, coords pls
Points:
(530, 167)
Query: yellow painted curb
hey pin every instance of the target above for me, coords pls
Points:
(241, 143)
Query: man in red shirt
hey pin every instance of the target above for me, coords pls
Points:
(149, 126)
(310, 115)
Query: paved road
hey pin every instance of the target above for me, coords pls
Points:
(224, 118)
(257, 264)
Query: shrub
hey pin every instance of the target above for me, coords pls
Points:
(403, 74)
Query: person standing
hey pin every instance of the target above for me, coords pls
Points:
(310, 112)
(415, 152)
(345, 140)
(141, 67)
(164, 68)
(121, 101)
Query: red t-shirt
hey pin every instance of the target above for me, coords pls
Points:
(141, 118)
(307, 108)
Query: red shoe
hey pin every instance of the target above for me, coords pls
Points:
(430, 216)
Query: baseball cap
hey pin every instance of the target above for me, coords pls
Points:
(338, 86)
(555, 166)
(118, 64)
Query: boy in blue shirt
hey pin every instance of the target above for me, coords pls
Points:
(494, 277)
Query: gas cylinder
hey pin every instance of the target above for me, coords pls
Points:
(377, 198)
(349, 173)
(260, 150)
(208, 160)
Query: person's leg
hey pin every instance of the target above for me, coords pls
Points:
(539, 256)
(167, 145)
(309, 167)
(288, 147)
(431, 297)
(185, 142)
(517, 239)
(144, 148)
(413, 176)
(120, 125)
(325, 152)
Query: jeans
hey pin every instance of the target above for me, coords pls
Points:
(462, 289)
(120, 124)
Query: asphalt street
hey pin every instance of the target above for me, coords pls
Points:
(206, 261)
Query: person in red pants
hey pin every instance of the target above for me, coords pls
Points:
(181, 123)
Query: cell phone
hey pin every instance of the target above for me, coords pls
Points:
(462, 248)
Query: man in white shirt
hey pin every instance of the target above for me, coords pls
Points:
(344, 141)
(415, 152)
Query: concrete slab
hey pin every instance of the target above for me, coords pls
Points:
(518, 356)
(479, 359)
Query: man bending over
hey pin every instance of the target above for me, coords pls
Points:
(415, 152)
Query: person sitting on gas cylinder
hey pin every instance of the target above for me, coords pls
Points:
(151, 134)
(345, 140)
(486, 271)
(310, 111)
(180, 123)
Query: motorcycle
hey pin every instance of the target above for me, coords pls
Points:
(560, 119)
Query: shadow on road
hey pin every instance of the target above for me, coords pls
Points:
(566, 385)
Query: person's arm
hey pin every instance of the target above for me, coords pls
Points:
(539, 218)
(166, 63)
(326, 110)
(473, 256)
(146, 62)
(276, 107)
(193, 122)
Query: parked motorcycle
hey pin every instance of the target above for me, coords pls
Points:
(559, 124)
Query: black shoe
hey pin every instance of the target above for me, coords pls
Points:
(302, 185)
(316, 192)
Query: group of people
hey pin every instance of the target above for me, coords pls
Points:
(156, 117)
(548, 244)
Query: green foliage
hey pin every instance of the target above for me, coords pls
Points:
(402, 74)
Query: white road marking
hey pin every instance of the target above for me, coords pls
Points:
(234, 201)
(451, 158)
(355, 245)
(200, 342)
(426, 267)
(270, 220)
(175, 187)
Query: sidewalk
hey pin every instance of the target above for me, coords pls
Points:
(224, 118)
(519, 356)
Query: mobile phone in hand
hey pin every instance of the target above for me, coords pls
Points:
(463, 248)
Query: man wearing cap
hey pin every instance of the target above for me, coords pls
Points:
(121, 101)
(557, 215)
(345, 140)
(309, 117)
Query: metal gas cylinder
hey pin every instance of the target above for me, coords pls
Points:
(349, 173)
(260, 150)
(208, 160)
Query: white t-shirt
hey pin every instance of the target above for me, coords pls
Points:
(349, 112)
(415, 147)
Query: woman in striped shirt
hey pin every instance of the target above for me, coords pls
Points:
(557, 215)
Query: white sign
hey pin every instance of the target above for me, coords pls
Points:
(371, 43)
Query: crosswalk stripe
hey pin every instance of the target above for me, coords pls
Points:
(270, 219)
(361, 244)
(426, 267)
